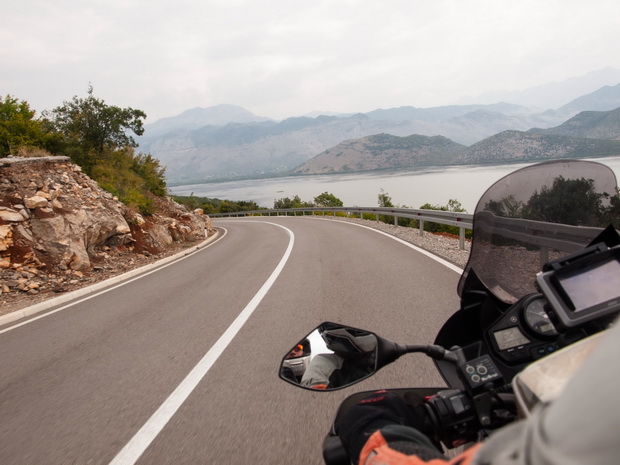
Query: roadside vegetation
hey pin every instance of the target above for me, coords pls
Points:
(326, 199)
(96, 136)
(210, 205)
(384, 200)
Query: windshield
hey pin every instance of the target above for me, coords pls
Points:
(534, 215)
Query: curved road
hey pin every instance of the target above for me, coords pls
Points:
(142, 374)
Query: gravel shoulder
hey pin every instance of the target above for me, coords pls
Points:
(443, 245)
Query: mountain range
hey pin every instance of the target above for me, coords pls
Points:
(227, 141)
(589, 134)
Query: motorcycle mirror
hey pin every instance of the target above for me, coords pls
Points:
(334, 356)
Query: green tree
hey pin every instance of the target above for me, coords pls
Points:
(19, 128)
(327, 200)
(122, 173)
(568, 201)
(611, 214)
(91, 127)
(453, 205)
(287, 202)
(384, 199)
(507, 207)
(216, 205)
(151, 171)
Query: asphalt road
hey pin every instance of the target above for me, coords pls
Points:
(141, 373)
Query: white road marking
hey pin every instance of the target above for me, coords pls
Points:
(438, 259)
(145, 436)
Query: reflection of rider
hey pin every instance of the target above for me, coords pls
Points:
(296, 361)
(297, 351)
(321, 367)
(353, 358)
(580, 426)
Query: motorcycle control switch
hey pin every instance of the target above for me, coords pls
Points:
(479, 372)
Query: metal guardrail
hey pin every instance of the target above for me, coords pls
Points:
(462, 220)
(544, 235)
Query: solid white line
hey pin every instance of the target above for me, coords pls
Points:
(438, 259)
(445, 263)
(92, 290)
(143, 438)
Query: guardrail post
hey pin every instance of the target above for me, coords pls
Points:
(377, 217)
(421, 227)
(395, 220)
(462, 238)
(544, 256)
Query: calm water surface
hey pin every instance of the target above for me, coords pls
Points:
(411, 188)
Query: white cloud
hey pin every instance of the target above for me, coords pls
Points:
(282, 58)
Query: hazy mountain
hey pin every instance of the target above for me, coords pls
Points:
(517, 146)
(605, 98)
(444, 113)
(253, 149)
(589, 134)
(218, 115)
(554, 94)
(262, 148)
(592, 124)
(383, 151)
(216, 142)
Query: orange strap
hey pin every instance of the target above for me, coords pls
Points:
(319, 386)
(378, 452)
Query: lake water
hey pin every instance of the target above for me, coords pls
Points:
(409, 189)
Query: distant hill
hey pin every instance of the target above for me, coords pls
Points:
(518, 146)
(256, 149)
(383, 151)
(444, 113)
(592, 124)
(271, 148)
(555, 94)
(218, 115)
(229, 142)
(587, 135)
(604, 99)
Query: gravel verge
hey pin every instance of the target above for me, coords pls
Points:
(443, 245)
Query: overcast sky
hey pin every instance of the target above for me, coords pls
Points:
(282, 58)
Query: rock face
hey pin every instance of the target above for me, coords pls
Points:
(58, 225)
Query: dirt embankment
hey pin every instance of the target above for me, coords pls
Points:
(59, 231)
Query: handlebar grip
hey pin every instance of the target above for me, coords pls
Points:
(334, 452)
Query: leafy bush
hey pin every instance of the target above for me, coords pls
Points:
(96, 136)
(20, 131)
(287, 202)
(134, 179)
(452, 206)
(209, 205)
(327, 200)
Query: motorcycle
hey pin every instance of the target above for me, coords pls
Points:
(541, 283)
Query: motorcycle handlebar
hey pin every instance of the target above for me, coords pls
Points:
(452, 418)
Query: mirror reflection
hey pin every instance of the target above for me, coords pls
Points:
(331, 357)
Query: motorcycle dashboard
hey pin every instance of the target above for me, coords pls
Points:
(524, 333)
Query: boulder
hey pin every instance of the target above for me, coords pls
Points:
(55, 218)
(10, 215)
(6, 237)
(36, 201)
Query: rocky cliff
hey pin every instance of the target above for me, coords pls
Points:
(59, 230)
